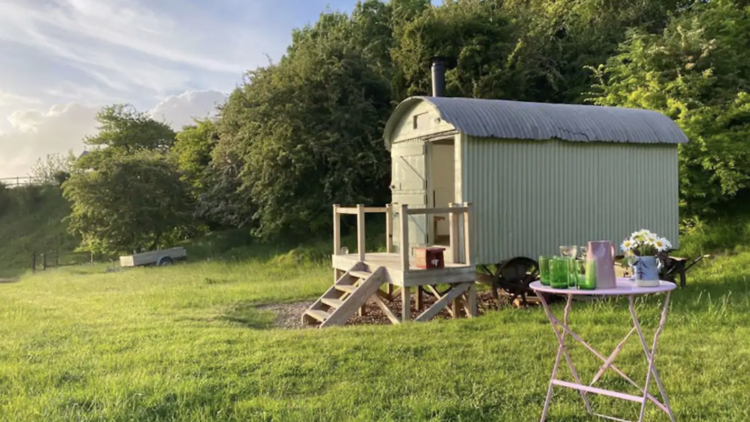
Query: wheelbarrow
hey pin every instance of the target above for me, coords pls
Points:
(673, 266)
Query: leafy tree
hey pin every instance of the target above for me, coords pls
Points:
(695, 71)
(192, 150)
(129, 203)
(476, 35)
(53, 169)
(223, 199)
(122, 127)
(306, 132)
(127, 194)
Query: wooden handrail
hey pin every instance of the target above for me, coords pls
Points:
(454, 211)
(451, 210)
(355, 211)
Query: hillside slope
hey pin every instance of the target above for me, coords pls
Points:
(31, 221)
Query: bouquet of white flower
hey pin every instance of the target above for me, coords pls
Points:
(645, 243)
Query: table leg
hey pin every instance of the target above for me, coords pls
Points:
(651, 355)
(561, 351)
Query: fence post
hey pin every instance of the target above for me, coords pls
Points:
(33, 262)
(44, 261)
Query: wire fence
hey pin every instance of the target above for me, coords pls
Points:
(13, 182)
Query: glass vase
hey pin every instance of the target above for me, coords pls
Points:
(573, 273)
(544, 270)
(588, 282)
(559, 272)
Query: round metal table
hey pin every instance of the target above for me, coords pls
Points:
(625, 287)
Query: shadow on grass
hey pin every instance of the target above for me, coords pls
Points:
(11, 273)
(249, 316)
(9, 280)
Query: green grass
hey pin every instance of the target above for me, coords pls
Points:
(31, 221)
(187, 343)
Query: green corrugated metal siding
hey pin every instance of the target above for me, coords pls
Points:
(532, 196)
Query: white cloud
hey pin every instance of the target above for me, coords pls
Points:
(179, 110)
(9, 99)
(41, 132)
(36, 133)
(123, 43)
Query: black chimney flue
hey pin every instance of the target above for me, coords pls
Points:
(438, 77)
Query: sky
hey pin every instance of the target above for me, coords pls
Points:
(62, 60)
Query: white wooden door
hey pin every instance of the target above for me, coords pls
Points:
(409, 186)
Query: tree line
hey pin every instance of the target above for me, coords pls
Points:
(303, 133)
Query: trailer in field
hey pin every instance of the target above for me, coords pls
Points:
(161, 257)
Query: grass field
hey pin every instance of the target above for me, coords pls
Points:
(187, 343)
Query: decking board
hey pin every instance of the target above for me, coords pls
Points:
(451, 274)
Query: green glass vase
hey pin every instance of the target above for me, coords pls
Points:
(559, 273)
(544, 270)
(588, 281)
(573, 273)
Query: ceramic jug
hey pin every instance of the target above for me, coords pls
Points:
(600, 257)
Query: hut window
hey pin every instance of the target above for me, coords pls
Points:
(423, 117)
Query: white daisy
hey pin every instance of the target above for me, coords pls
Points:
(641, 235)
(627, 245)
(651, 240)
(662, 244)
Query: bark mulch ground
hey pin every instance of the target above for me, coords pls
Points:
(289, 315)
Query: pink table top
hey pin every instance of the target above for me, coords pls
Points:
(625, 287)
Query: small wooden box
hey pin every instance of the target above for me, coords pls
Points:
(428, 258)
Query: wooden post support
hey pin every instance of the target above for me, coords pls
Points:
(467, 234)
(336, 238)
(44, 262)
(456, 307)
(471, 298)
(453, 237)
(361, 232)
(419, 302)
(336, 230)
(405, 304)
(404, 245)
(361, 248)
(33, 262)
(388, 228)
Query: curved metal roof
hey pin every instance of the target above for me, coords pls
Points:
(526, 120)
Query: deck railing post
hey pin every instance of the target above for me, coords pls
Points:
(336, 230)
(453, 236)
(388, 228)
(361, 232)
(467, 236)
(336, 238)
(404, 234)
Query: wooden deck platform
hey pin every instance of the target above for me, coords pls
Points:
(358, 278)
(394, 274)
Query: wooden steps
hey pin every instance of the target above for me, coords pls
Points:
(345, 288)
(318, 315)
(344, 298)
(333, 303)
